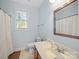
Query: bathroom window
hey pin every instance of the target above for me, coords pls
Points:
(21, 20)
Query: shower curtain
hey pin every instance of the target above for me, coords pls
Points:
(5, 35)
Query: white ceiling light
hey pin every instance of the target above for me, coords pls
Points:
(51, 1)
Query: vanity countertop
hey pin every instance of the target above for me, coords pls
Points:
(46, 52)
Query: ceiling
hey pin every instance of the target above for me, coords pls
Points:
(32, 3)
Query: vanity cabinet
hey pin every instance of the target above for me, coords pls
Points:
(36, 54)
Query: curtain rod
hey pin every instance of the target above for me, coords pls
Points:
(5, 12)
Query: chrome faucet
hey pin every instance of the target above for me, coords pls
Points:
(61, 50)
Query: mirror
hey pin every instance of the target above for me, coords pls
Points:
(66, 21)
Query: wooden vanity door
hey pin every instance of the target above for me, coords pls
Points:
(39, 57)
(36, 54)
